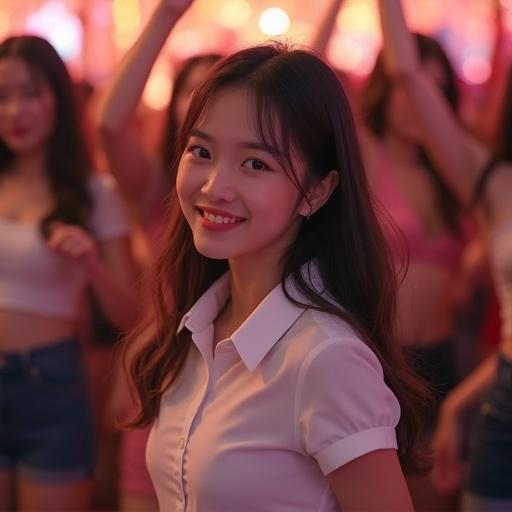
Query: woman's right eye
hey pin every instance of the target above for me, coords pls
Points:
(199, 152)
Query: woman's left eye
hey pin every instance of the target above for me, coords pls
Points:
(256, 165)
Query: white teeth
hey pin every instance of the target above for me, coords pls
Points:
(218, 219)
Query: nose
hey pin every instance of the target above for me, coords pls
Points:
(220, 183)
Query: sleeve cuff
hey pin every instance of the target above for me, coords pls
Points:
(354, 446)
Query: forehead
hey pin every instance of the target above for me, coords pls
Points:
(15, 71)
(230, 113)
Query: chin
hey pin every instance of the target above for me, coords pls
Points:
(212, 252)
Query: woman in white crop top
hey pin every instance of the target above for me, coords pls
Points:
(482, 181)
(273, 381)
(62, 230)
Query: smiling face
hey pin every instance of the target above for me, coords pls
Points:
(27, 107)
(236, 197)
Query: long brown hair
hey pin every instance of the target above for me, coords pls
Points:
(300, 94)
(68, 162)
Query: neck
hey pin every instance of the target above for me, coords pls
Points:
(30, 165)
(251, 282)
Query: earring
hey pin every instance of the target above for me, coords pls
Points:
(308, 216)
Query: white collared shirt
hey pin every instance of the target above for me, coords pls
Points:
(257, 424)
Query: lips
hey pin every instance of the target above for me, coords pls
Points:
(218, 220)
(19, 132)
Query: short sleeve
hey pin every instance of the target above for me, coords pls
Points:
(344, 409)
(109, 218)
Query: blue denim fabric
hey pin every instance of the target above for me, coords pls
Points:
(491, 454)
(45, 418)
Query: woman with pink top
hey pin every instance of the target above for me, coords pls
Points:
(269, 374)
(430, 240)
(483, 182)
(62, 230)
(145, 181)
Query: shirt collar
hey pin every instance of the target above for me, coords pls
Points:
(271, 319)
(205, 310)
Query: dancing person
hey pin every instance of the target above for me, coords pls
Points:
(62, 230)
(145, 181)
(420, 205)
(270, 374)
(482, 181)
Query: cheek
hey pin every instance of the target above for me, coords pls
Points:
(46, 111)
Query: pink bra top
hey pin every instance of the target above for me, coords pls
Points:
(411, 239)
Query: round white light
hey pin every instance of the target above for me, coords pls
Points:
(274, 21)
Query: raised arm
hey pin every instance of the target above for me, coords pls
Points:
(488, 111)
(457, 157)
(323, 34)
(136, 174)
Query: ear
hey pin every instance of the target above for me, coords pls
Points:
(318, 193)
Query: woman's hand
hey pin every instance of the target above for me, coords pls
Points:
(448, 467)
(75, 244)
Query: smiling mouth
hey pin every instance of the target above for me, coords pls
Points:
(218, 218)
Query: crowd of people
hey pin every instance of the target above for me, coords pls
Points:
(310, 325)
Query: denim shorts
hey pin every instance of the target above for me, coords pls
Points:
(45, 416)
(490, 472)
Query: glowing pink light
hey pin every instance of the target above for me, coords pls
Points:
(476, 69)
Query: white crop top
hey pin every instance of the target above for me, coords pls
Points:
(500, 251)
(34, 279)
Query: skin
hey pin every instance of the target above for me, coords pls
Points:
(222, 170)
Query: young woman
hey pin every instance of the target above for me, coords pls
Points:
(145, 181)
(61, 230)
(483, 183)
(270, 376)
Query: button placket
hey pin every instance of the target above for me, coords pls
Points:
(183, 441)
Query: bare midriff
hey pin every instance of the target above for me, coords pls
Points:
(21, 331)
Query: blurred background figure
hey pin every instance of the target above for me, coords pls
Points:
(62, 230)
(481, 179)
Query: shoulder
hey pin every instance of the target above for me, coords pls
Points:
(319, 339)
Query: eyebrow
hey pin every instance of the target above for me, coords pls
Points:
(260, 146)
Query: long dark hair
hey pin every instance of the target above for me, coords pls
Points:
(296, 92)
(374, 103)
(171, 129)
(68, 161)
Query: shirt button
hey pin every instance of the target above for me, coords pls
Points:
(182, 443)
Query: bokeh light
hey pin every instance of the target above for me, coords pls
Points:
(274, 21)
(234, 13)
(126, 16)
(60, 26)
(476, 69)
(158, 89)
